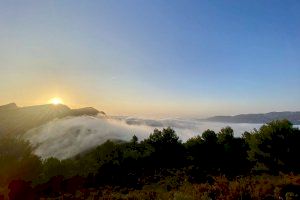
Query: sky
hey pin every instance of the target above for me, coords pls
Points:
(158, 58)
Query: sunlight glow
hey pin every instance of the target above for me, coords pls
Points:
(56, 101)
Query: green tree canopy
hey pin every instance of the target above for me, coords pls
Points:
(271, 145)
(209, 136)
(225, 135)
(17, 160)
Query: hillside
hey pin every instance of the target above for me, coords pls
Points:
(18, 120)
(294, 117)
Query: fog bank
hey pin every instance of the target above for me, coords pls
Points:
(64, 138)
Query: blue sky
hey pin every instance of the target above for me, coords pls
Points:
(156, 58)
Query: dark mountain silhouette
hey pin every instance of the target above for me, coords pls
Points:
(294, 117)
(86, 111)
(9, 106)
(18, 120)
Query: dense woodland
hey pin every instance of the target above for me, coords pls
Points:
(262, 164)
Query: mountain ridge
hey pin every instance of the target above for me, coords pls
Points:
(18, 120)
(259, 118)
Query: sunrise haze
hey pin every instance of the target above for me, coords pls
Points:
(152, 58)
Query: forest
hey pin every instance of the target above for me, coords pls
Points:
(261, 164)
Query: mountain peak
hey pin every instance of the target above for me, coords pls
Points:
(9, 106)
(32, 116)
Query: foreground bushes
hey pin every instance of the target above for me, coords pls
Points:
(256, 188)
(243, 188)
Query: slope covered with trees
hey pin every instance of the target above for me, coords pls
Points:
(261, 164)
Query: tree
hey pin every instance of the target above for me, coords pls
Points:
(203, 154)
(270, 146)
(52, 167)
(17, 160)
(168, 149)
(209, 136)
(194, 142)
(134, 139)
(225, 135)
(108, 152)
(166, 136)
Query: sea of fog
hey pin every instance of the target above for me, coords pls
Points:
(64, 138)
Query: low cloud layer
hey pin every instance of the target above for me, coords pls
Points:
(64, 138)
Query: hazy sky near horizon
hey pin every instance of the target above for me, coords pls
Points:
(152, 58)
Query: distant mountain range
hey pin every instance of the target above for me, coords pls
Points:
(18, 120)
(294, 117)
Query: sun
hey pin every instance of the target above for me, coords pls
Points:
(56, 101)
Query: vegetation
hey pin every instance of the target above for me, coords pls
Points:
(262, 164)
